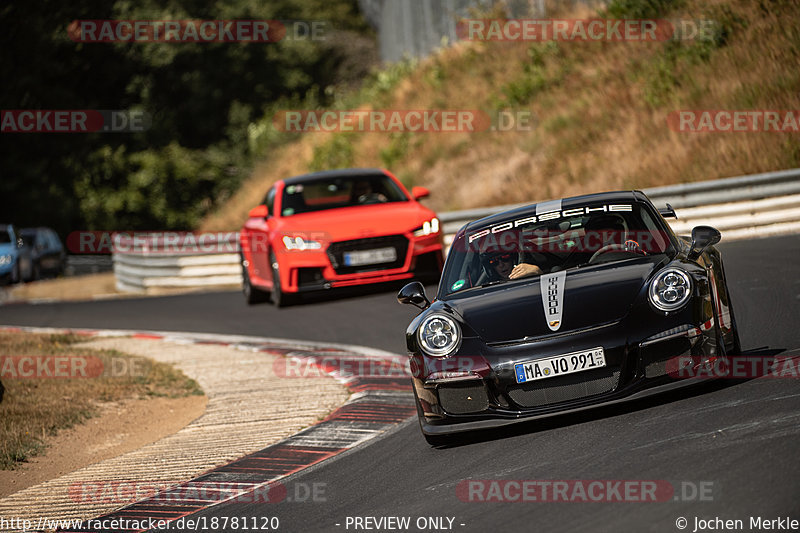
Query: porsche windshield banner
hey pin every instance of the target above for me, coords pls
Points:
(544, 217)
(553, 298)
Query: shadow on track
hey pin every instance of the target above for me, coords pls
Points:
(351, 293)
(600, 413)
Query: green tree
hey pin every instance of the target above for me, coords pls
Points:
(202, 98)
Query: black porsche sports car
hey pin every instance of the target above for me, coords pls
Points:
(562, 306)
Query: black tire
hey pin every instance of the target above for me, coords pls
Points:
(437, 440)
(737, 343)
(722, 347)
(28, 277)
(251, 294)
(279, 298)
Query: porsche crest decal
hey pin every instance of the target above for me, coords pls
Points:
(553, 298)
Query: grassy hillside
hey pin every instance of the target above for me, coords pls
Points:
(600, 112)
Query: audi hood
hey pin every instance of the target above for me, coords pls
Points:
(376, 219)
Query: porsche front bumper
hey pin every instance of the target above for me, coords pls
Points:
(485, 393)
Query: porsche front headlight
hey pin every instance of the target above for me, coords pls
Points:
(670, 289)
(439, 335)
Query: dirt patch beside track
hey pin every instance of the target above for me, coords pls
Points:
(104, 437)
(249, 407)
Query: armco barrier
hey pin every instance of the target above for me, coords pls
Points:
(742, 207)
(80, 265)
(140, 269)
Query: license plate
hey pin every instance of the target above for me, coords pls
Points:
(560, 365)
(370, 257)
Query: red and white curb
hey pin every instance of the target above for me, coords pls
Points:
(380, 400)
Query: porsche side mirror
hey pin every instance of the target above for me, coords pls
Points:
(420, 192)
(702, 238)
(414, 294)
(260, 211)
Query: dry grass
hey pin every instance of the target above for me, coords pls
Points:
(600, 113)
(36, 408)
(89, 287)
(73, 288)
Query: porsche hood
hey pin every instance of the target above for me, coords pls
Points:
(553, 303)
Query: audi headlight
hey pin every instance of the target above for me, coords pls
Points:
(5, 259)
(670, 289)
(299, 243)
(439, 335)
(428, 227)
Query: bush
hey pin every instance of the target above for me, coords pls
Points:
(336, 153)
(640, 9)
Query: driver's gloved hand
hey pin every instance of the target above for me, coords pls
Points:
(633, 246)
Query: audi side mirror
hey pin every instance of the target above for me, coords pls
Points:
(260, 211)
(420, 192)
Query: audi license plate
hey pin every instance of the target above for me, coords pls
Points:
(560, 365)
(370, 257)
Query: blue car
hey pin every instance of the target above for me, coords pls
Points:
(9, 254)
(42, 254)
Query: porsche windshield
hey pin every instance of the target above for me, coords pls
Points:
(348, 191)
(552, 241)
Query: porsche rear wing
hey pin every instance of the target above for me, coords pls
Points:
(667, 212)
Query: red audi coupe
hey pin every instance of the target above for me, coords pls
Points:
(337, 228)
